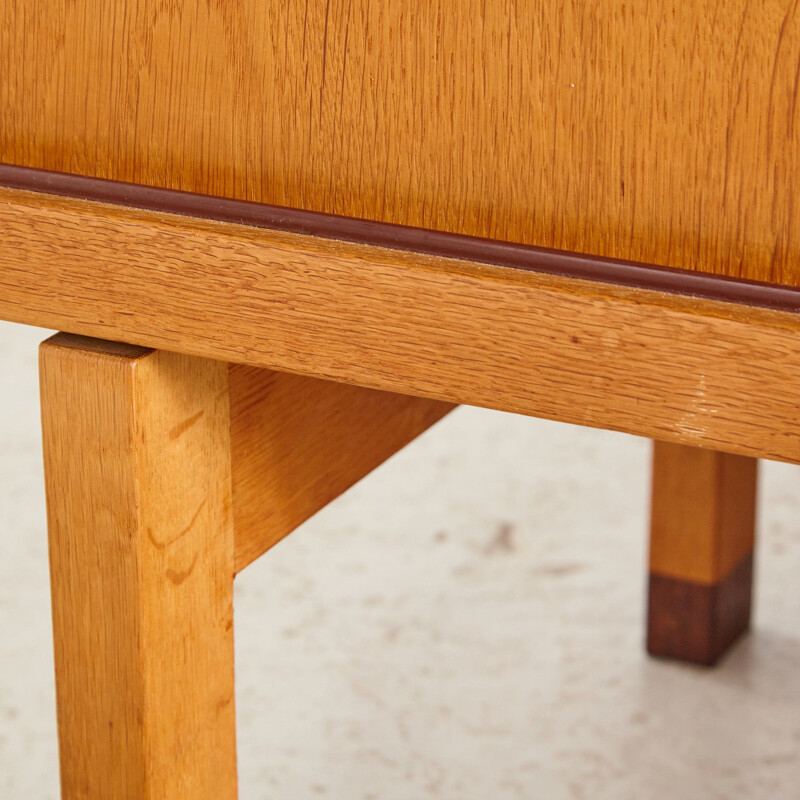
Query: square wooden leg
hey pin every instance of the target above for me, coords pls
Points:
(701, 552)
(137, 467)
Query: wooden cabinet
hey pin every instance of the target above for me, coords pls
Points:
(662, 132)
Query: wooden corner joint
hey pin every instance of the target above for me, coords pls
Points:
(298, 443)
(701, 552)
(165, 475)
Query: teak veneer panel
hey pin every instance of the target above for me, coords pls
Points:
(137, 467)
(298, 443)
(697, 371)
(661, 132)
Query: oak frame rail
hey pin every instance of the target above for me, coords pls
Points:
(404, 237)
(666, 365)
(297, 443)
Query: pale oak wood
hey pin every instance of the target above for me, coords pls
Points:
(666, 132)
(137, 464)
(703, 512)
(695, 371)
(297, 443)
(701, 551)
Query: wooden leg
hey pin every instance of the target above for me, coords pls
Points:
(701, 551)
(137, 465)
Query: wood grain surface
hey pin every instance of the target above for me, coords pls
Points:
(696, 371)
(698, 622)
(137, 464)
(424, 241)
(298, 443)
(703, 512)
(702, 534)
(662, 132)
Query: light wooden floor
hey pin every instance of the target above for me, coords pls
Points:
(458, 626)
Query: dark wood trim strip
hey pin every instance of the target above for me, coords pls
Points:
(696, 622)
(401, 237)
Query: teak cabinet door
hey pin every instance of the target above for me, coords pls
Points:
(666, 133)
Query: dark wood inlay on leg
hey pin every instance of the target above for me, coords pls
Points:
(697, 623)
